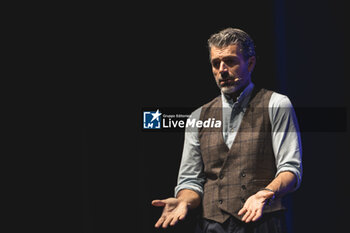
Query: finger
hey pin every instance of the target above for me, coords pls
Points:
(242, 211)
(167, 221)
(251, 216)
(246, 215)
(158, 203)
(182, 216)
(174, 221)
(257, 215)
(159, 222)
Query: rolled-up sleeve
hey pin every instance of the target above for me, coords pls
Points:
(286, 140)
(191, 175)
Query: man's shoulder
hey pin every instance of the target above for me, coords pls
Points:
(262, 91)
(280, 100)
(276, 99)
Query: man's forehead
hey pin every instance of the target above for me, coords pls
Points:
(225, 51)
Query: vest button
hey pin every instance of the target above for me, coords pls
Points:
(221, 176)
(243, 174)
(220, 201)
(244, 187)
(242, 200)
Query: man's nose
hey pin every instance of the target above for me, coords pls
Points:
(223, 67)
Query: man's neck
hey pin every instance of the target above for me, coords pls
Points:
(236, 94)
(233, 95)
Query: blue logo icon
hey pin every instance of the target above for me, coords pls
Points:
(151, 119)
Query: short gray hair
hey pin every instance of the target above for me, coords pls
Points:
(230, 36)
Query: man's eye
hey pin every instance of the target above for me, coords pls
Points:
(216, 64)
(230, 62)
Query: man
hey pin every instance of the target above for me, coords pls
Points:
(241, 171)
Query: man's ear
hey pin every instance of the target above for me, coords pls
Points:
(251, 63)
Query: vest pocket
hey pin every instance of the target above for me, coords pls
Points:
(261, 182)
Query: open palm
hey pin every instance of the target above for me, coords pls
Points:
(173, 211)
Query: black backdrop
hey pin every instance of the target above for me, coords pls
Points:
(160, 59)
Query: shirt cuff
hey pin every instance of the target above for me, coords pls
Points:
(293, 170)
(198, 189)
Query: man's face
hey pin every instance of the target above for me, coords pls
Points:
(230, 70)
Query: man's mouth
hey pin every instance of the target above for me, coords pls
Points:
(228, 81)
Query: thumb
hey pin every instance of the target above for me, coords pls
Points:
(158, 203)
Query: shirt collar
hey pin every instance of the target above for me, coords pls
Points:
(242, 99)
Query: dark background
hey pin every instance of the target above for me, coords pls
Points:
(161, 60)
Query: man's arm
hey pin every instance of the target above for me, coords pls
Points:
(190, 197)
(286, 139)
(191, 175)
(283, 183)
(287, 148)
(190, 182)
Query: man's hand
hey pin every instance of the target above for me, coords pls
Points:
(254, 206)
(174, 210)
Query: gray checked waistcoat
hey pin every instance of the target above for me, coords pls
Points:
(234, 174)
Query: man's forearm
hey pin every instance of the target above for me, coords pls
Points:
(283, 183)
(191, 197)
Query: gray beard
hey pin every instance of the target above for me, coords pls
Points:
(229, 89)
